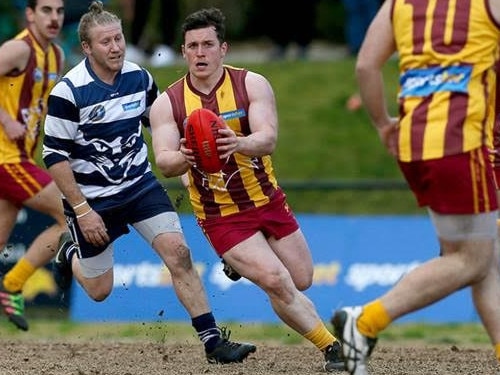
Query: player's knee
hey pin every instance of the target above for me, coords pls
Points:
(178, 258)
(98, 292)
(302, 278)
(277, 283)
(303, 283)
(98, 295)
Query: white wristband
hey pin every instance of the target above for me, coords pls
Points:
(85, 213)
(80, 205)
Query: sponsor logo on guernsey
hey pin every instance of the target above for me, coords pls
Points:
(233, 114)
(425, 82)
(97, 113)
(132, 105)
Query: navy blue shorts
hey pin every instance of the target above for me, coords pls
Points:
(153, 202)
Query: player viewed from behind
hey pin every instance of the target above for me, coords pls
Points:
(30, 65)
(94, 149)
(242, 210)
(447, 52)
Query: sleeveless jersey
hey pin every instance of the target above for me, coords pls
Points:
(24, 97)
(244, 182)
(447, 52)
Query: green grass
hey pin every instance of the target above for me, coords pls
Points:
(62, 329)
(53, 324)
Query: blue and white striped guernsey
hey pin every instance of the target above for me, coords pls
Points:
(97, 128)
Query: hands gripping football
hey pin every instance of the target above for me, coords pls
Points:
(211, 142)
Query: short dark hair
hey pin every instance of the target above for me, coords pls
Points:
(32, 4)
(205, 18)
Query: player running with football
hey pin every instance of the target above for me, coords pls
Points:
(94, 150)
(242, 210)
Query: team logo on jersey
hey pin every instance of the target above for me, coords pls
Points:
(97, 113)
(114, 157)
(37, 75)
(425, 82)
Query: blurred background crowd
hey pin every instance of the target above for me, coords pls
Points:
(152, 26)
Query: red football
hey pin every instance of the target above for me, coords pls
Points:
(200, 133)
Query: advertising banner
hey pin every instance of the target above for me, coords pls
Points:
(356, 259)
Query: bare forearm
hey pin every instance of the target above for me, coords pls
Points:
(65, 181)
(373, 96)
(257, 144)
(171, 163)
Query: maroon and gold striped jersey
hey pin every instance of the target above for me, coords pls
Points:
(24, 97)
(447, 53)
(244, 182)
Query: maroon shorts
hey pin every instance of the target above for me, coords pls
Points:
(456, 184)
(20, 182)
(274, 219)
